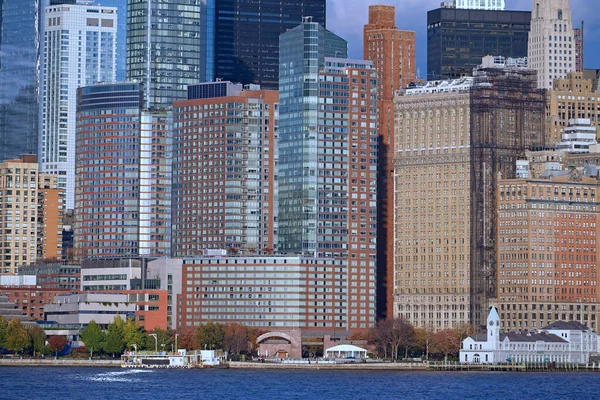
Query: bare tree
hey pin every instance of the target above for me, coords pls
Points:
(393, 334)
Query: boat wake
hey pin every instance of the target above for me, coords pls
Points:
(119, 376)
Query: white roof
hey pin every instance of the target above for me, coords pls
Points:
(345, 347)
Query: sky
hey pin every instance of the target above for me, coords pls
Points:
(346, 18)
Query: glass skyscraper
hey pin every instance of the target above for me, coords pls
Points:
(302, 52)
(247, 36)
(121, 6)
(457, 39)
(169, 47)
(19, 76)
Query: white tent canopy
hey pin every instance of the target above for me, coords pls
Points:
(345, 350)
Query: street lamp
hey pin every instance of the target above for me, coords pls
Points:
(155, 342)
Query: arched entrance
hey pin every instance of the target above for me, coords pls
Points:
(476, 359)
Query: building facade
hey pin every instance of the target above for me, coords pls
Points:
(431, 205)
(452, 138)
(246, 37)
(578, 137)
(161, 35)
(268, 292)
(570, 98)
(54, 275)
(547, 251)
(328, 154)
(147, 307)
(31, 300)
(225, 170)
(559, 342)
(32, 214)
(551, 47)
(20, 55)
(393, 54)
(123, 181)
(479, 4)
(458, 39)
(579, 36)
(80, 48)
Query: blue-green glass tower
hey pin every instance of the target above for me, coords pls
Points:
(302, 52)
(19, 76)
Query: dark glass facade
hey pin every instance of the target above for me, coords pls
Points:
(457, 39)
(169, 46)
(247, 36)
(19, 77)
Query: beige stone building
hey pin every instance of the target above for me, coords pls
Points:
(571, 97)
(547, 250)
(31, 208)
(452, 141)
(431, 213)
(551, 43)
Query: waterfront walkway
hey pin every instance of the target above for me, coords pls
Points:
(61, 362)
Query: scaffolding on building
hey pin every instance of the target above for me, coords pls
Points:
(507, 118)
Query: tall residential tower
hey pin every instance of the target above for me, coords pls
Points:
(328, 149)
(80, 46)
(123, 180)
(393, 54)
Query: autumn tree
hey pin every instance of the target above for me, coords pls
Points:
(235, 338)
(446, 342)
(210, 335)
(424, 339)
(3, 327)
(93, 337)
(17, 337)
(57, 343)
(114, 340)
(187, 338)
(38, 338)
(464, 331)
(133, 334)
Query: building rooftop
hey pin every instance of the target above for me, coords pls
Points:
(566, 326)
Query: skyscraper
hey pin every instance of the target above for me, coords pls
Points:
(458, 39)
(393, 54)
(225, 170)
(299, 62)
(19, 76)
(453, 141)
(121, 5)
(123, 180)
(169, 46)
(80, 45)
(247, 37)
(328, 149)
(551, 48)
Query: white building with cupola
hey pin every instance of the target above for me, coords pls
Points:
(560, 342)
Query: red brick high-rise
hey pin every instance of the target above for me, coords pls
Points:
(393, 54)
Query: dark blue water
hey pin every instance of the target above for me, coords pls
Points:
(100, 383)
